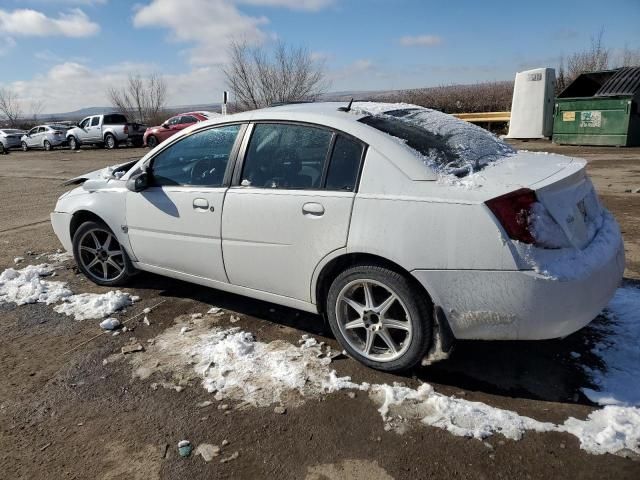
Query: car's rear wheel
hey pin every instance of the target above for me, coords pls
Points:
(152, 141)
(47, 145)
(73, 143)
(25, 147)
(100, 256)
(379, 317)
(110, 141)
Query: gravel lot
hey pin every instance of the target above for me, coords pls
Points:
(70, 407)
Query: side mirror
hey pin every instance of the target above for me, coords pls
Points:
(138, 182)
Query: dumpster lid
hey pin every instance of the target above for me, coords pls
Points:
(625, 81)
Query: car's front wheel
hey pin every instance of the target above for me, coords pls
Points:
(152, 141)
(100, 256)
(73, 143)
(379, 317)
(25, 147)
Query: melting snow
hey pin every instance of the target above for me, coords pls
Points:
(619, 350)
(95, 305)
(27, 286)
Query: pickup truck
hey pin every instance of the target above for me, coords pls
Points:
(109, 130)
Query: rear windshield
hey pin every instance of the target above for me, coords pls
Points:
(58, 127)
(445, 143)
(114, 119)
(10, 131)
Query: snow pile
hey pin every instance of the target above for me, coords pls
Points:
(619, 350)
(459, 148)
(399, 404)
(95, 305)
(545, 229)
(610, 430)
(59, 257)
(233, 365)
(572, 263)
(27, 286)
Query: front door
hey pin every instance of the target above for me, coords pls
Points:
(82, 132)
(290, 207)
(175, 223)
(32, 137)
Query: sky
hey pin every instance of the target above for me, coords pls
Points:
(65, 54)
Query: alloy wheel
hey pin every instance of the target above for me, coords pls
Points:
(373, 320)
(101, 255)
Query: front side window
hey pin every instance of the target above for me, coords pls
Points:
(198, 159)
(286, 156)
(188, 119)
(85, 123)
(173, 121)
(33, 131)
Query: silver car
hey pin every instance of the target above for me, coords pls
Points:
(11, 137)
(44, 136)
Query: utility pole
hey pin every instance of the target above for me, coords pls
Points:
(225, 99)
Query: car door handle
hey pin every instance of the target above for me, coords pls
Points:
(200, 203)
(312, 208)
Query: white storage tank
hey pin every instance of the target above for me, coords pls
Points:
(532, 104)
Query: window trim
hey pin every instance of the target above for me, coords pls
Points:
(148, 164)
(242, 155)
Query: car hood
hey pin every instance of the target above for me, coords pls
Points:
(100, 178)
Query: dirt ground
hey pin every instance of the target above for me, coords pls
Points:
(65, 414)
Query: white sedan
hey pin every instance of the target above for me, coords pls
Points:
(406, 227)
(45, 137)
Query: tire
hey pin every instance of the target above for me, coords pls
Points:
(73, 143)
(25, 147)
(99, 265)
(394, 313)
(47, 145)
(110, 142)
(152, 141)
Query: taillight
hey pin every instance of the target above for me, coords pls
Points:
(126, 129)
(513, 211)
(57, 132)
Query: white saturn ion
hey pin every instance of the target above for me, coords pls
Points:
(406, 227)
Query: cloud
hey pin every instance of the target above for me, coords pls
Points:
(209, 25)
(31, 23)
(420, 41)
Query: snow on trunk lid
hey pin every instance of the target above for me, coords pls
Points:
(572, 202)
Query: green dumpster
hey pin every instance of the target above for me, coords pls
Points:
(599, 108)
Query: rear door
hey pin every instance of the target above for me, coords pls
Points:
(175, 224)
(289, 207)
(94, 133)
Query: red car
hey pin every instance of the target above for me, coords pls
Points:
(156, 135)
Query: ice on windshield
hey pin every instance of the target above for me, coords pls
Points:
(445, 144)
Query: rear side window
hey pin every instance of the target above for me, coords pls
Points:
(344, 165)
(114, 119)
(95, 121)
(286, 156)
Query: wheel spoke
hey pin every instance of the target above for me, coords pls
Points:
(359, 323)
(396, 324)
(386, 305)
(93, 262)
(95, 239)
(358, 307)
(368, 344)
(115, 265)
(368, 296)
(114, 253)
(105, 271)
(107, 242)
(386, 338)
(88, 249)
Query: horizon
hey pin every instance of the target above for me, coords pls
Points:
(66, 53)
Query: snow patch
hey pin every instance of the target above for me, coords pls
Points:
(27, 286)
(95, 305)
(619, 351)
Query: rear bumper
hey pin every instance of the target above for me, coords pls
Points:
(522, 305)
(61, 223)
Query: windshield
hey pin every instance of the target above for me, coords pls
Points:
(445, 143)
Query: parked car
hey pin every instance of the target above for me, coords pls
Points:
(11, 137)
(406, 227)
(44, 136)
(153, 136)
(110, 130)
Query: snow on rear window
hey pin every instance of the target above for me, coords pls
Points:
(446, 144)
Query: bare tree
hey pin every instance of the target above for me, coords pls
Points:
(10, 107)
(261, 77)
(593, 59)
(35, 108)
(629, 57)
(144, 98)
